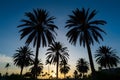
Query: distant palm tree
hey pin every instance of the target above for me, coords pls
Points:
(7, 66)
(76, 75)
(39, 68)
(57, 52)
(64, 68)
(106, 57)
(40, 29)
(84, 28)
(82, 66)
(23, 57)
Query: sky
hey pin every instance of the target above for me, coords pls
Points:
(12, 11)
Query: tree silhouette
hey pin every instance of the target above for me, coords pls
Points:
(57, 52)
(76, 75)
(82, 66)
(83, 28)
(39, 29)
(64, 68)
(39, 68)
(23, 57)
(106, 57)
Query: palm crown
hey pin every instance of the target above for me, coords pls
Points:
(106, 57)
(39, 27)
(57, 49)
(82, 27)
(23, 57)
(82, 65)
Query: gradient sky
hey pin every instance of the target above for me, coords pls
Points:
(12, 11)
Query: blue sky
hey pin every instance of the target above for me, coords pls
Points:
(12, 11)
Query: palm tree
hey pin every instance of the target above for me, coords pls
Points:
(84, 29)
(76, 75)
(57, 52)
(39, 29)
(23, 57)
(82, 66)
(39, 68)
(7, 66)
(64, 68)
(106, 57)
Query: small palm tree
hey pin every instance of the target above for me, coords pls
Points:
(39, 68)
(82, 66)
(23, 57)
(7, 66)
(106, 57)
(76, 75)
(64, 68)
(84, 29)
(39, 29)
(57, 52)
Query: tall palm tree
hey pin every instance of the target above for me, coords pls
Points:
(7, 66)
(39, 68)
(39, 29)
(84, 29)
(106, 57)
(57, 52)
(23, 57)
(64, 68)
(82, 66)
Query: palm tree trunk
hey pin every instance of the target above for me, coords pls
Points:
(90, 57)
(36, 60)
(48, 72)
(64, 75)
(83, 75)
(21, 71)
(57, 66)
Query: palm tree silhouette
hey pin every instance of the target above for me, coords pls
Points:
(85, 30)
(39, 68)
(76, 74)
(23, 57)
(64, 68)
(7, 66)
(57, 52)
(39, 28)
(82, 66)
(106, 57)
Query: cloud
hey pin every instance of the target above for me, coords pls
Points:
(5, 59)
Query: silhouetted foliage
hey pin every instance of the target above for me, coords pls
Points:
(64, 67)
(76, 75)
(55, 53)
(39, 68)
(82, 66)
(84, 29)
(106, 57)
(39, 29)
(23, 57)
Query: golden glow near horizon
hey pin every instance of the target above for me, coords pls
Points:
(14, 69)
